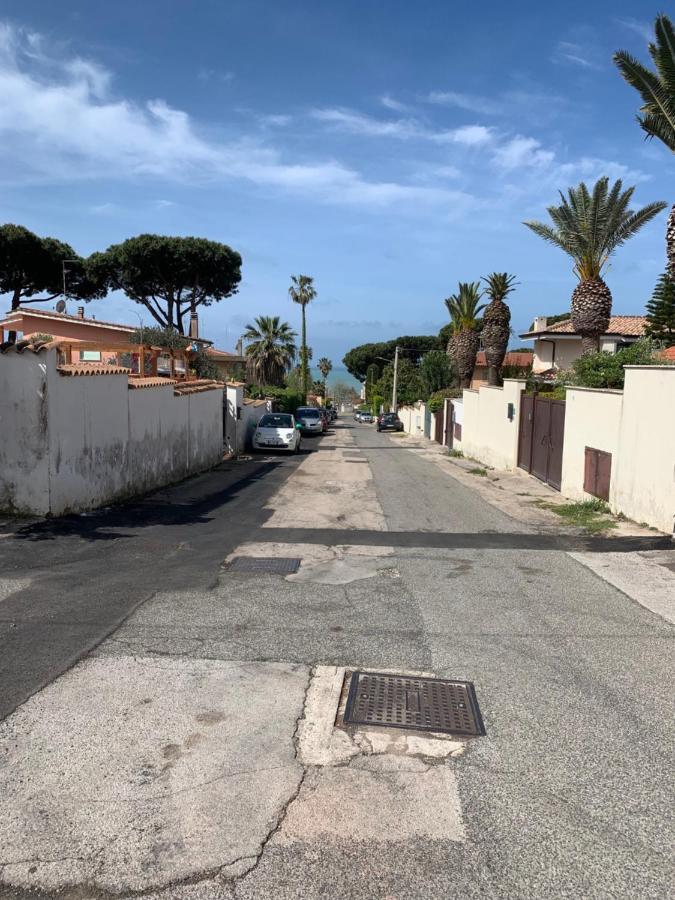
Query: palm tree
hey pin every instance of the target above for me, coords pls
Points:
(496, 322)
(324, 366)
(589, 228)
(464, 307)
(657, 90)
(271, 350)
(302, 291)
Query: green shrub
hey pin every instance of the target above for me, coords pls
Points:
(605, 370)
(435, 402)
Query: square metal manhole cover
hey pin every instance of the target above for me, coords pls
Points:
(268, 565)
(408, 701)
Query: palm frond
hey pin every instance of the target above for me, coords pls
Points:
(589, 226)
(657, 89)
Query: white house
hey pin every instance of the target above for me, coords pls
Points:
(556, 346)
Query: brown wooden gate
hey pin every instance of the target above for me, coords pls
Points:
(540, 438)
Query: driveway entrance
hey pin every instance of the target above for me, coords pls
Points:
(540, 438)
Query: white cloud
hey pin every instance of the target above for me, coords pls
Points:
(401, 129)
(60, 120)
(206, 74)
(391, 103)
(577, 54)
(470, 102)
(644, 29)
(522, 152)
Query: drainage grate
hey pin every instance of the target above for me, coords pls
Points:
(420, 704)
(268, 564)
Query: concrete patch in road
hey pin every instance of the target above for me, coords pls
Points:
(9, 586)
(132, 774)
(321, 743)
(326, 491)
(322, 564)
(387, 798)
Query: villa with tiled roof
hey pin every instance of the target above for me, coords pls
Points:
(556, 346)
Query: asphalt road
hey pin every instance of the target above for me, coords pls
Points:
(569, 794)
(85, 574)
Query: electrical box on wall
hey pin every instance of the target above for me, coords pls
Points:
(511, 412)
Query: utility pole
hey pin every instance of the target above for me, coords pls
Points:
(394, 405)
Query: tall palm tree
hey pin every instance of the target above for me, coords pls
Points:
(324, 366)
(271, 350)
(302, 291)
(463, 345)
(589, 227)
(657, 90)
(497, 322)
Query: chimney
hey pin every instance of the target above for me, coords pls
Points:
(539, 323)
(80, 312)
(194, 325)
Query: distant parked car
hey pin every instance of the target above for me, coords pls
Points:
(366, 417)
(309, 419)
(389, 422)
(276, 431)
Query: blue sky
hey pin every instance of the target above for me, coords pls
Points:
(388, 149)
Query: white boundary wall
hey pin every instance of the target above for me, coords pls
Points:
(592, 419)
(70, 443)
(490, 418)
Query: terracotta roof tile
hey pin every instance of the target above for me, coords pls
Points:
(668, 354)
(522, 358)
(84, 368)
(623, 326)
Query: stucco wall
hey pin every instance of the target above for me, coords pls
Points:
(488, 434)
(79, 442)
(644, 489)
(592, 419)
(24, 444)
(566, 351)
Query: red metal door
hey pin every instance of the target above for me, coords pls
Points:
(540, 438)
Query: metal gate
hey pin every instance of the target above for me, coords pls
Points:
(449, 423)
(427, 421)
(438, 426)
(540, 438)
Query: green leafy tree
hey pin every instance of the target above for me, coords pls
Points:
(464, 308)
(358, 360)
(302, 291)
(31, 265)
(410, 385)
(657, 90)
(436, 371)
(372, 376)
(588, 227)
(170, 276)
(497, 322)
(271, 350)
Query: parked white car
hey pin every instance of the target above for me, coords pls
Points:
(277, 431)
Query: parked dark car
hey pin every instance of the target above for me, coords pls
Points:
(389, 422)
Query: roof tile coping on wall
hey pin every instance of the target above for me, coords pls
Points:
(33, 346)
(593, 390)
(196, 387)
(136, 382)
(84, 368)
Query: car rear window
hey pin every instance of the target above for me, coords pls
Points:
(272, 420)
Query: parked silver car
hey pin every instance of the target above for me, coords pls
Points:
(309, 420)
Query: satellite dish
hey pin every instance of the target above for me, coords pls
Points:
(60, 306)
